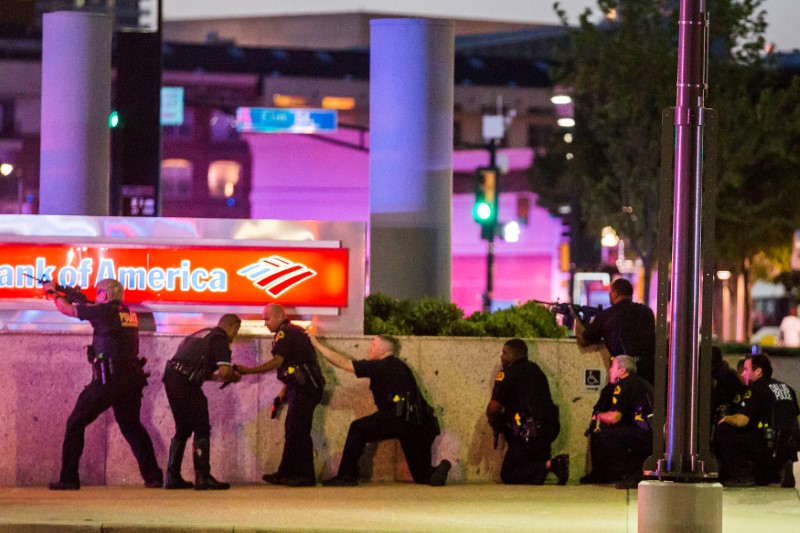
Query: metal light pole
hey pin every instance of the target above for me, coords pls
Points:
(682, 457)
(487, 296)
(678, 502)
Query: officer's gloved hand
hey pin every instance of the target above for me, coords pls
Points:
(47, 288)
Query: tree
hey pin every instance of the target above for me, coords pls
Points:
(622, 74)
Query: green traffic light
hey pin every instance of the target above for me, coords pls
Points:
(113, 119)
(483, 211)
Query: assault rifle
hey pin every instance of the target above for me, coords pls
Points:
(72, 294)
(585, 312)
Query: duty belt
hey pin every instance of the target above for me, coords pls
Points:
(181, 368)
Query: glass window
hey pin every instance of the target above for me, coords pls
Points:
(222, 178)
(176, 177)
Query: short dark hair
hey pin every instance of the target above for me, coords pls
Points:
(229, 319)
(761, 361)
(518, 348)
(622, 287)
(716, 356)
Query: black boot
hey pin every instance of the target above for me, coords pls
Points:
(174, 479)
(203, 480)
(559, 465)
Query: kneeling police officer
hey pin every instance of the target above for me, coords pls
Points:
(758, 444)
(522, 410)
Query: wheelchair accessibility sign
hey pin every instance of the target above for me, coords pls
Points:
(592, 379)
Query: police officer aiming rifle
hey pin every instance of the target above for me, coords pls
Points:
(625, 328)
(117, 382)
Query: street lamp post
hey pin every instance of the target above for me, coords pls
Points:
(486, 300)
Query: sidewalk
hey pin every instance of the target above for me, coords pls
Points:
(370, 507)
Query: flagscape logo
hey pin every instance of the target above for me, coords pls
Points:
(275, 274)
(182, 275)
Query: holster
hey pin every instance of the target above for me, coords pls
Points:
(301, 375)
(195, 374)
(102, 368)
(527, 429)
(416, 412)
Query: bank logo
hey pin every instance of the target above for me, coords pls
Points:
(276, 275)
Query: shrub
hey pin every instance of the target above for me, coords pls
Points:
(431, 316)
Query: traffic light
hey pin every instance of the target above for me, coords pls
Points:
(484, 212)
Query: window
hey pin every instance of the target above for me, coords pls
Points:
(222, 178)
(176, 178)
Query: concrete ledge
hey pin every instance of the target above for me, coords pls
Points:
(43, 373)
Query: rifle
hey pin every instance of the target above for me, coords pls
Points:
(72, 294)
(585, 312)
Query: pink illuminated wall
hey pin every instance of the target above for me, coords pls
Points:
(297, 177)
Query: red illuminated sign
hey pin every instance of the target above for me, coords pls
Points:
(314, 277)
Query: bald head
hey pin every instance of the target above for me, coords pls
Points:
(274, 315)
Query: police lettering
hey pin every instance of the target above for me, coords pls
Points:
(781, 391)
(128, 319)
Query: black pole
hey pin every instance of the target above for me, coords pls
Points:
(682, 458)
(487, 296)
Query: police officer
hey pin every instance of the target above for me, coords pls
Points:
(522, 410)
(402, 414)
(118, 380)
(296, 363)
(759, 443)
(198, 357)
(727, 389)
(622, 439)
(625, 328)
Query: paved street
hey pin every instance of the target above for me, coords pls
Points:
(373, 507)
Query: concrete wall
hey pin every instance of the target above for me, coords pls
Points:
(43, 373)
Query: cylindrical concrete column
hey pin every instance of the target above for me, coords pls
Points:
(411, 157)
(76, 100)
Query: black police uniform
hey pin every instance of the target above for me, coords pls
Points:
(727, 390)
(619, 450)
(117, 383)
(627, 328)
(402, 414)
(196, 359)
(304, 382)
(769, 439)
(529, 422)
